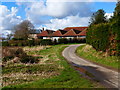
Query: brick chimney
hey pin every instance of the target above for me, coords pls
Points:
(43, 29)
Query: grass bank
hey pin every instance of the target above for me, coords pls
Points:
(53, 72)
(89, 53)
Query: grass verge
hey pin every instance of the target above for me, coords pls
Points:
(66, 78)
(89, 53)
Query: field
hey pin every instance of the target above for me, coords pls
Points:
(52, 71)
(89, 53)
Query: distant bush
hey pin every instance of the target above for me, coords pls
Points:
(7, 58)
(46, 42)
(18, 39)
(5, 43)
(12, 52)
(62, 41)
(21, 42)
(34, 42)
(29, 59)
(37, 41)
(31, 43)
(55, 42)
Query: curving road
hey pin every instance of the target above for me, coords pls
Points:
(105, 76)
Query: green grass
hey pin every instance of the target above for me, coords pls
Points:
(89, 53)
(66, 78)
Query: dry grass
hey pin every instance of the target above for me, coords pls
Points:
(18, 73)
(34, 48)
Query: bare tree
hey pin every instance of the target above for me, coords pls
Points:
(22, 30)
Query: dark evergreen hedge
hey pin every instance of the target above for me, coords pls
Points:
(98, 36)
(46, 42)
(42, 42)
(105, 37)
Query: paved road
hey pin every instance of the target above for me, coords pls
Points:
(104, 75)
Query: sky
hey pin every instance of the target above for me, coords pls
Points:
(50, 14)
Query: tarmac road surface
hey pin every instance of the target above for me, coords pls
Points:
(105, 76)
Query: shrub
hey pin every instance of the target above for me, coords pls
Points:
(11, 52)
(20, 53)
(31, 42)
(37, 41)
(98, 36)
(55, 42)
(7, 58)
(46, 42)
(29, 59)
(75, 40)
(5, 43)
(82, 40)
(62, 40)
(70, 40)
(18, 39)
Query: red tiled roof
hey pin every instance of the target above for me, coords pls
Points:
(59, 33)
(76, 28)
(70, 33)
(46, 33)
(83, 33)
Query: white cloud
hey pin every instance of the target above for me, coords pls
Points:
(8, 18)
(36, 12)
(70, 21)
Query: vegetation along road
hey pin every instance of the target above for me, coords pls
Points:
(105, 76)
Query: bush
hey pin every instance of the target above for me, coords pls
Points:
(55, 42)
(37, 41)
(31, 42)
(7, 58)
(29, 59)
(98, 36)
(46, 42)
(5, 43)
(11, 52)
(70, 40)
(18, 39)
(20, 53)
(62, 41)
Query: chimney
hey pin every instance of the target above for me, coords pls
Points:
(43, 29)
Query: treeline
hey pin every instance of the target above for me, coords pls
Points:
(104, 34)
(33, 42)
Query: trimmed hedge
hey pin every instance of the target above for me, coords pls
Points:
(71, 40)
(42, 42)
(21, 42)
(98, 36)
(63, 41)
(105, 37)
(46, 42)
(5, 43)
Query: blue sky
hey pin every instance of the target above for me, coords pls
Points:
(51, 15)
(108, 7)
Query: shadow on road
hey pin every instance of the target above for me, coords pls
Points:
(95, 74)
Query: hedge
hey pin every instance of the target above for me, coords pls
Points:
(105, 37)
(42, 42)
(46, 42)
